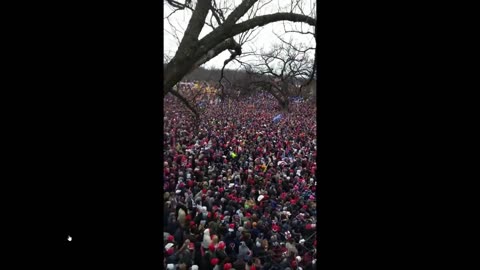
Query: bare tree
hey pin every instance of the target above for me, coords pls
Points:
(283, 71)
(227, 21)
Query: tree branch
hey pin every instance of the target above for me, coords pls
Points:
(195, 25)
(227, 44)
(230, 31)
(239, 11)
(185, 101)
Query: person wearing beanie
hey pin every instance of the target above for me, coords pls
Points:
(206, 239)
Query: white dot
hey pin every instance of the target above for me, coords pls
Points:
(69, 238)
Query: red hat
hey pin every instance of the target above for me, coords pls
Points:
(214, 261)
(305, 207)
(170, 251)
(204, 190)
(170, 238)
(190, 183)
(181, 185)
(211, 247)
(228, 266)
(221, 245)
(231, 227)
(310, 226)
(253, 267)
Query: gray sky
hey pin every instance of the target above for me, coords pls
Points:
(264, 40)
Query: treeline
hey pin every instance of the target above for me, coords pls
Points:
(234, 80)
(213, 75)
(239, 80)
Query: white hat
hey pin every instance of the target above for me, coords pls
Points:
(178, 191)
(231, 185)
(299, 259)
(301, 241)
(260, 198)
(194, 267)
(168, 246)
(170, 266)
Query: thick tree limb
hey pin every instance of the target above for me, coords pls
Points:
(225, 45)
(195, 25)
(230, 31)
(239, 11)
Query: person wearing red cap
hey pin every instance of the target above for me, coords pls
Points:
(227, 266)
(221, 254)
(170, 251)
(211, 248)
(293, 264)
(170, 239)
(214, 261)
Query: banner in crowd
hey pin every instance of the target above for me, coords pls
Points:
(277, 118)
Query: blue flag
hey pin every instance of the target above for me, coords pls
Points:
(277, 118)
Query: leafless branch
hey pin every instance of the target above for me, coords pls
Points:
(186, 102)
(179, 5)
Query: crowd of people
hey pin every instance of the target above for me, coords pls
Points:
(239, 188)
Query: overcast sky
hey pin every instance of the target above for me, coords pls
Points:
(265, 38)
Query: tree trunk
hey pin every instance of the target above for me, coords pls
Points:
(284, 105)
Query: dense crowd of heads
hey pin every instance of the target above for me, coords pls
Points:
(239, 188)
